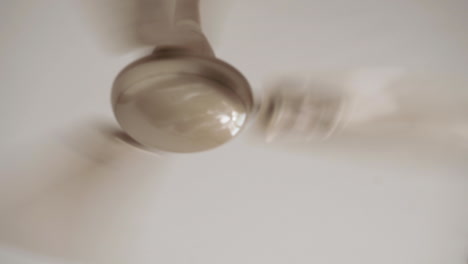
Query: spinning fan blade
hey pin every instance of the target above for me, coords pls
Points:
(74, 156)
(113, 24)
(122, 26)
(87, 182)
(374, 104)
(214, 14)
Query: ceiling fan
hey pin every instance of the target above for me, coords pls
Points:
(181, 98)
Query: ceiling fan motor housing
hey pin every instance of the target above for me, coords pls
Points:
(178, 101)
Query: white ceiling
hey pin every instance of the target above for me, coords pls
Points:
(242, 203)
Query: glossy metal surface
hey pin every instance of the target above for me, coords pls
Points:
(181, 98)
(181, 103)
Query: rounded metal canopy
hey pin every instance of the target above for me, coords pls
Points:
(181, 103)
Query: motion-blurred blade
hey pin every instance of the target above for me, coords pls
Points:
(84, 151)
(377, 104)
(113, 23)
(122, 26)
(214, 14)
(86, 185)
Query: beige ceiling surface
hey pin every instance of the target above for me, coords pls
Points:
(243, 202)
